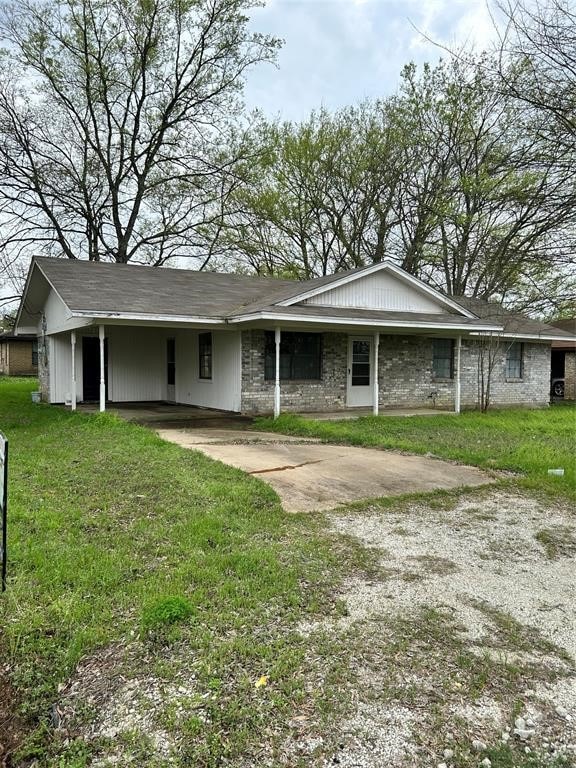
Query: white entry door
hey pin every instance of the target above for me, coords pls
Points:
(360, 373)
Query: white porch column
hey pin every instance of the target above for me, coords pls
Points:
(73, 354)
(376, 392)
(457, 382)
(102, 370)
(277, 376)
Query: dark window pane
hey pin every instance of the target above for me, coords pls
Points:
(514, 361)
(443, 358)
(300, 356)
(35, 352)
(205, 355)
(171, 361)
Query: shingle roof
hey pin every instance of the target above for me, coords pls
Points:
(512, 322)
(372, 315)
(135, 290)
(125, 288)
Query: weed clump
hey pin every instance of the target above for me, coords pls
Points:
(166, 611)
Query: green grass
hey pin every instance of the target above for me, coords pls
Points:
(116, 536)
(528, 442)
(188, 571)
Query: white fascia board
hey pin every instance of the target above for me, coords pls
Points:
(177, 319)
(385, 264)
(534, 337)
(71, 325)
(363, 323)
(33, 266)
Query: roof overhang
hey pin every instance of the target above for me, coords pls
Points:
(544, 336)
(383, 323)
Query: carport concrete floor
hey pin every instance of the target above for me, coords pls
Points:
(309, 475)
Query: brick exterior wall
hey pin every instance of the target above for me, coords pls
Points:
(328, 394)
(16, 358)
(570, 376)
(405, 377)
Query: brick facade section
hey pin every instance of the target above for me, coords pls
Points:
(16, 358)
(405, 377)
(570, 376)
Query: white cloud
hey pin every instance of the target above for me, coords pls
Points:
(338, 52)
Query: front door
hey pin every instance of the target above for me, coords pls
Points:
(91, 368)
(360, 354)
(171, 370)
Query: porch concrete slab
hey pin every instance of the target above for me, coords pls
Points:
(314, 476)
(194, 437)
(356, 413)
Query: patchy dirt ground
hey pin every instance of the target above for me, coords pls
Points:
(461, 646)
(465, 647)
(12, 727)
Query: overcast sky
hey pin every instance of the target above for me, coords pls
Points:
(338, 52)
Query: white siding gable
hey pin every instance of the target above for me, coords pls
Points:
(57, 313)
(380, 290)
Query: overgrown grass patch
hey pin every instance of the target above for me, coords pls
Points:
(528, 442)
(112, 529)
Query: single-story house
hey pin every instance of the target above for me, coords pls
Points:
(564, 359)
(18, 355)
(374, 338)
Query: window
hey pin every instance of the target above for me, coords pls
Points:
(35, 352)
(171, 362)
(514, 360)
(300, 356)
(205, 355)
(443, 358)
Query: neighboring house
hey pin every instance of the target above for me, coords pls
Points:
(374, 337)
(18, 355)
(564, 361)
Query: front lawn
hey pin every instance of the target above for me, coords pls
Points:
(529, 442)
(163, 611)
(118, 539)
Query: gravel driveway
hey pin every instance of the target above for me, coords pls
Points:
(467, 640)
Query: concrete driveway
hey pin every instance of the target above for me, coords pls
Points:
(309, 475)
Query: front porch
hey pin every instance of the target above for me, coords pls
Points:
(172, 415)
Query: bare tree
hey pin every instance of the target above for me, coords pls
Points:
(116, 120)
(538, 63)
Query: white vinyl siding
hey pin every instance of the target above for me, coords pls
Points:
(378, 291)
(137, 367)
(223, 389)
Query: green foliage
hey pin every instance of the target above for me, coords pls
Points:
(448, 177)
(109, 525)
(165, 611)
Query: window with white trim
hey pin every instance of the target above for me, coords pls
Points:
(443, 358)
(515, 360)
(205, 355)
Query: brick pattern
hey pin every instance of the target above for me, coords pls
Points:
(328, 394)
(570, 376)
(16, 358)
(405, 377)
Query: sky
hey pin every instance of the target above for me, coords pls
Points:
(339, 52)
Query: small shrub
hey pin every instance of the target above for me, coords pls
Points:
(166, 611)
